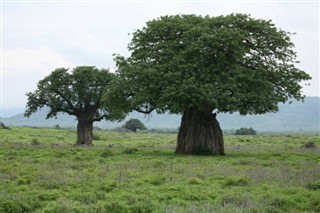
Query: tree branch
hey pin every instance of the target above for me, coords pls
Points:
(144, 111)
(74, 109)
(99, 118)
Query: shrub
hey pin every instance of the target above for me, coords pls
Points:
(245, 131)
(315, 204)
(142, 204)
(13, 206)
(314, 185)
(130, 150)
(309, 145)
(35, 142)
(156, 180)
(62, 205)
(106, 153)
(48, 195)
(134, 124)
(109, 186)
(24, 180)
(115, 207)
(2, 126)
(87, 198)
(278, 203)
(236, 181)
(235, 201)
(194, 181)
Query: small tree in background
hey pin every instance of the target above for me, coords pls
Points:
(134, 124)
(2, 126)
(245, 131)
(76, 93)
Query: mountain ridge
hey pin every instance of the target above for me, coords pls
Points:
(298, 116)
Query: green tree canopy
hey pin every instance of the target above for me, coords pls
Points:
(134, 124)
(245, 131)
(194, 65)
(229, 63)
(76, 93)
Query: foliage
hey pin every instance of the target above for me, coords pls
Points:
(194, 181)
(106, 153)
(228, 63)
(77, 93)
(245, 131)
(236, 181)
(130, 150)
(73, 93)
(134, 124)
(314, 185)
(3, 126)
(35, 142)
(309, 144)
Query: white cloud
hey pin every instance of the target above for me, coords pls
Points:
(23, 68)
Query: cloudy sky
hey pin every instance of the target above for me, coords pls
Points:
(39, 36)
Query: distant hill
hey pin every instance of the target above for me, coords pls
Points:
(298, 116)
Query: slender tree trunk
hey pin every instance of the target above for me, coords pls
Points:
(84, 130)
(199, 133)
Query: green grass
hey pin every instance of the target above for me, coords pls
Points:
(42, 171)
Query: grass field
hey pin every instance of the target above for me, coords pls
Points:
(42, 171)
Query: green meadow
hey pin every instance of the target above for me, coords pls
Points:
(42, 171)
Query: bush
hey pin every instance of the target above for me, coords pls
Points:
(62, 205)
(194, 181)
(314, 185)
(236, 181)
(49, 195)
(134, 124)
(245, 131)
(10, 205)
(235, 200)
(309, 145)
(2, 126)
(115, 207)
(35, 142)
(109, 186)
(106, 153)
(87, 198)
(130, 150)
(140, 204)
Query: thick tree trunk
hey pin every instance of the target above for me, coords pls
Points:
(84, 131)
(199, 133)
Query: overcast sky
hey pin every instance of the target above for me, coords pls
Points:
(38, 37)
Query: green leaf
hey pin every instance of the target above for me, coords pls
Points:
(228, 63)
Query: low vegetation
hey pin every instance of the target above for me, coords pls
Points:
(245, 131)
(42, 171)
(134, 125)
